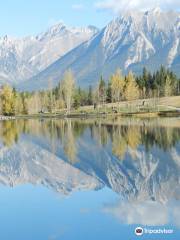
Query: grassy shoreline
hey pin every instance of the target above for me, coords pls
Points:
(166, 107)
(102, 115)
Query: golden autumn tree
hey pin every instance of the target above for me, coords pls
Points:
(68, 85)
(119, 145)
(117, 86)
(168, 87)
(70, 148)
(131, 88)
(7, 100)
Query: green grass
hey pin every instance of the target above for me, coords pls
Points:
(134, 107)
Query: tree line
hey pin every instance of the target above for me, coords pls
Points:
(126, 135)
(67, 95)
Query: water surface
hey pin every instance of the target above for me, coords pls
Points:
(89, 179)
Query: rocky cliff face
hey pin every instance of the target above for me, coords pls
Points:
(20, 59)
(131, 41)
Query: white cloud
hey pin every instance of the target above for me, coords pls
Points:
(176, 215)
(120, 5)
(147, 213)
(77, 6)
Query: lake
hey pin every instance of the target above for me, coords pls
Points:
(90, 179)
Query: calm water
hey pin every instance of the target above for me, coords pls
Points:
(89, 179)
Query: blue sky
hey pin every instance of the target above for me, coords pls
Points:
(26, 17)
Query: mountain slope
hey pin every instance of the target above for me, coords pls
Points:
(20, 59)
(131, 41)
(140, 176)
(27, 162)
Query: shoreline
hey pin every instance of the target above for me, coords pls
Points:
(5, 118)
(94, 115)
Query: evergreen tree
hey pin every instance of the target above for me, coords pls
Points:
(90, 96)
(77, 98)
(109, 93)
(102, 90)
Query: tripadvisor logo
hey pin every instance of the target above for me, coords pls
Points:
(139, 231)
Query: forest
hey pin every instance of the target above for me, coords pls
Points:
(67, 95)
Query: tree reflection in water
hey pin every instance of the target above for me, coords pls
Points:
(124, 134)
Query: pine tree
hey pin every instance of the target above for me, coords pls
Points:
(102, 90)
(109, 93)
(90, 96)
(77, 98)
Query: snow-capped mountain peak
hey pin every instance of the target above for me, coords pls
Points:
(23, 58)
(133, 40)
(59, 28)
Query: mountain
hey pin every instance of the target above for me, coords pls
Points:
(40, 157)
(36, 166)
(131, 41)
(144, 178)
(141, 176)
(20, 59)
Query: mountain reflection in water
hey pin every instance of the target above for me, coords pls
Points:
(137, 159)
